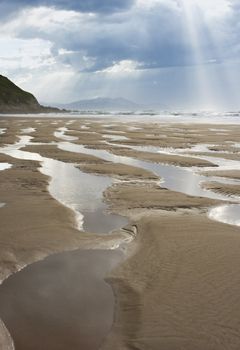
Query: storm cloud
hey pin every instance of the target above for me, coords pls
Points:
(95, 6)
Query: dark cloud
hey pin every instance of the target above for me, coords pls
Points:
(145, 37)
(8, 7)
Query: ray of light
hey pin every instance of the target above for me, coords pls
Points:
(193, 22)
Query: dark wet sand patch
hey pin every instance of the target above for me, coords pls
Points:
(231, 174)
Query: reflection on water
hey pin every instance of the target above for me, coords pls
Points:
(61, 135)
(222, 163)
(82, 193)
(60, 303)
(176, 151)
(115, 137)
(5, 166)
(133, 128)
(229, 214)
(218, 130)
(27, 130)
(174, 178)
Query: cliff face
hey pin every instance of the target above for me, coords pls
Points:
(15, 100)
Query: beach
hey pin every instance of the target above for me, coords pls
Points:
(168, 269)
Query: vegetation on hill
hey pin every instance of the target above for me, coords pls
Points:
(15, 100)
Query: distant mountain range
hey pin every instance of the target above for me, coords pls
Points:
(101, 103)
(15, 100)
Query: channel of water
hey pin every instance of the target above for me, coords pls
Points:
(172, 177)
(189, 181)
(75, 189)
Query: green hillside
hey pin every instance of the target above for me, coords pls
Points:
(15, 100)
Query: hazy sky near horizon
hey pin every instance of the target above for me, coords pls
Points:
(175, 53)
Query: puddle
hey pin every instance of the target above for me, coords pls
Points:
(228, 214)
(115, 137)
(2, 205)
(60, 133)
(5, 166)
(219, 130)
(61, 302)
(28, 130)
(134, 128)
(178, 151)
(84, 194)
(150, 149)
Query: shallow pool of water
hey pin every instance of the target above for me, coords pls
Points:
(228, 214)
(174, 178)
(5, 166)
(60, 133)
(60, 303)
(84, 194)
(115, 137)
(28, 130)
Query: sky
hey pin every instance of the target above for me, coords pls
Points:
(173, 54)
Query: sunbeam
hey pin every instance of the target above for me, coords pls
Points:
(194, 21)
(202, 20)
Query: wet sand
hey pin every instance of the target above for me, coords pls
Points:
(179, 286)
(231, 174)
(226, 189)
(148, 197)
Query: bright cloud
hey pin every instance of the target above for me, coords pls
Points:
(210, 8)
(122, 67)
(28, 54)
